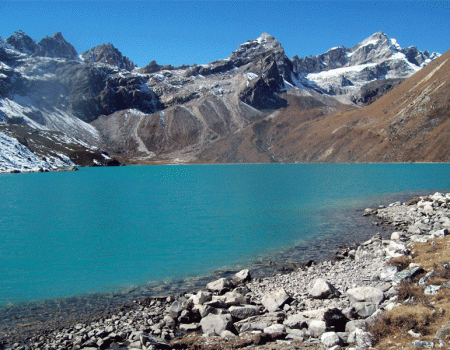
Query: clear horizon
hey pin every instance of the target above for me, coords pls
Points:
(188, 32)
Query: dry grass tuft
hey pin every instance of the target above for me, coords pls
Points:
(402, 262)
(409, 290)
(393, 326)
(421, 314)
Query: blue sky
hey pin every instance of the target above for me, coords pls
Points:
(187, 32)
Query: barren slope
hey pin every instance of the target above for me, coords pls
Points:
(411, 123)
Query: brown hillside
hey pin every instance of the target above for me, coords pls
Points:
(409, 124)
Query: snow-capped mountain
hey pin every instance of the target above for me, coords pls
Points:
(100, 100)
(342, 71)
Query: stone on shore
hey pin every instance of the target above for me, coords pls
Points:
(323, 289)
(364, 310)
(216, 324)
(297, 321)
(242, 276)
(275, 328)
(365, 294)
(220, 286)
(406, 274)
(243, 312)
(258, 323)
(275, 300)
(388, 273)
(360, 338)
(316, 328)
(330, 339)
(201, 297)
(178, 306)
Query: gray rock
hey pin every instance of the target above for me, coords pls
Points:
(364, 310)
(388, 273)
(443, 333)
(274, 300)
(177, 307)
(323, 289)
(396, 235)
(361, 338)
(259, 322)
(316, 328)
(441, 233)
(205, 310)
(275, 328)
(189, 327)
(295, 334)
(201, 297)
(234, 298)
(413, 334)
(242, 276)
(220, 285)
(216, 324)
(365, 294)
(243, 312)
(297, 321)
(330, 339)
(169, 321)
(157, 342)
(423, 344)
(227, 335)
(431, 290)
(406, 274)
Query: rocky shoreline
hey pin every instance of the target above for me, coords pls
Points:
(326, 305)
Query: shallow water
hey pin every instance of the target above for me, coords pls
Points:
(123, 230)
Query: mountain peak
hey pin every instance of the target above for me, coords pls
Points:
(56, 46)
(107, 54)
(251, 49)
(22, 42)
(264, 37)
(58, 36)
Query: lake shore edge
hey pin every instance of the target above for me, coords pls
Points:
(294, 308)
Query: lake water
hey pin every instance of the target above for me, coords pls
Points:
(117, 229)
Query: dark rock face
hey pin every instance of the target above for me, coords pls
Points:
(257, 49)
(219, 66)
(22, 42)
(334, 58)
(91, 92)
(56, 46)
(154, 67)
(108, 54)
(374, 90)
(415, 56)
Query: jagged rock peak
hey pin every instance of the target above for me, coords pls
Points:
(3, 43)
(378, 47)
(378, 40)
(265, 38)
(56, 46)
(251, 49)
(22, 43)
(108, 54)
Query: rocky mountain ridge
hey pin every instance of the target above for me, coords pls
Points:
(164, 113)
(408, 124)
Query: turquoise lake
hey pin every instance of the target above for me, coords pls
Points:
(114, 229)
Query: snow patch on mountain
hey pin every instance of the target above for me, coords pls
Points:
(23, 110)
(16, 157)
